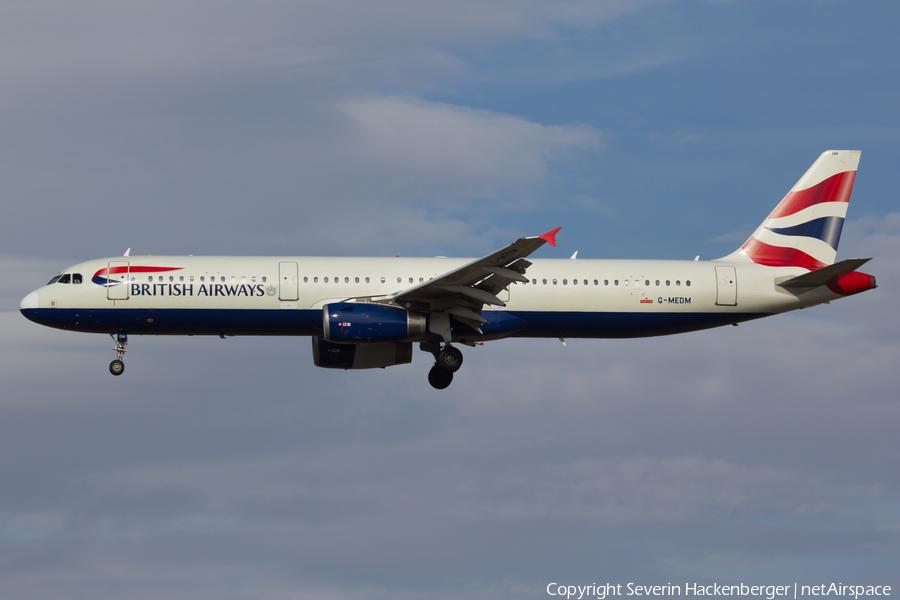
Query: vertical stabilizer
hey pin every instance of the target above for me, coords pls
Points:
(805, 227)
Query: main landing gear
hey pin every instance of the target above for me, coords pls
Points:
(447, 361)
(117, 367)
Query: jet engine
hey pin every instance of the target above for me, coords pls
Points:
(360, 356)
(351, 323)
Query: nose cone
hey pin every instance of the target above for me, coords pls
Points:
(28, 302)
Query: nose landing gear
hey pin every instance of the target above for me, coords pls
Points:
(447, 361)
(117, 367)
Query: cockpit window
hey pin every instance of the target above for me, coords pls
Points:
(76, 277)
(54, 280)
(65, 278)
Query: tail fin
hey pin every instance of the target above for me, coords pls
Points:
(805, 227)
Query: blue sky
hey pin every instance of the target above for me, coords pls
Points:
(765, 453)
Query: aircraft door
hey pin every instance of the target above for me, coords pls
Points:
(288, 283)
(726, 286)
(118, 278)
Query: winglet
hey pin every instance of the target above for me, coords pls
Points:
(550, 236)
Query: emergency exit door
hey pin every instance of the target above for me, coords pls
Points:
(288, 285)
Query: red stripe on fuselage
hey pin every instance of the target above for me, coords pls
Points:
(134, 269)
(777, 256)
(836, 188)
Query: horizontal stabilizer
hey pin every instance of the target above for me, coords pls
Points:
(825, 275)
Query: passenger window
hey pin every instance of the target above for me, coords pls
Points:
(585, 282)
(356, 279)
(534, 282)
(263, 279)
(677, 282)
(233, 279)
(315, 280)
(688, 283)
(667, 283)
(647, 283)
(626, 283)
(171, 278)
(606, 282)
(657, 283)
(192, 279)
(347, 280)
(253, 279)
(399, 280)
(574, 282)
(337, 279)
(554, 282)
(201, 278)
(616, 282)
(65, 278)
(421, 280)
(305, 279)
(565, 282)
(545, 282)
(181, 278)
(410, 279)
(244, 279)
(325, 279)
(76, 277)
(367, 280)
(382, 280)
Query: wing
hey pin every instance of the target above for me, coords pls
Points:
(464, 291)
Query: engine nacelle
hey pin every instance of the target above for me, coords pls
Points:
(360, 356)
(347, 322)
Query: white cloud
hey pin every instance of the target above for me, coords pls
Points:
(473, 152)
(64, 38)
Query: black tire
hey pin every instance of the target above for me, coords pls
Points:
(439, 378)
(117, 367)
(450, 359)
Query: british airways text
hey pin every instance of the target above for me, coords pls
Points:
(187, 289)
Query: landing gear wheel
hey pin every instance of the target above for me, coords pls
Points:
(117, 367)
(450, 359)
(439, 378)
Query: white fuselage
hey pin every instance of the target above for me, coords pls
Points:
(194, 295)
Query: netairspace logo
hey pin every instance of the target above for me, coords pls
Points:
(769, 592)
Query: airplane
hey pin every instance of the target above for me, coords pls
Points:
(364, 313)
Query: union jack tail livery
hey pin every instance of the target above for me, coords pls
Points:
(805, 227)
